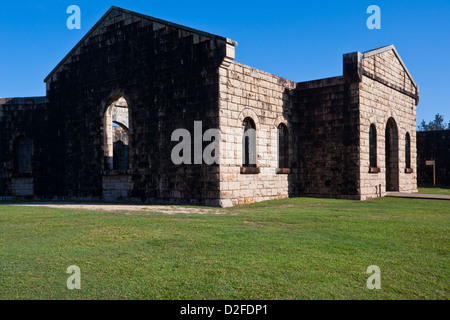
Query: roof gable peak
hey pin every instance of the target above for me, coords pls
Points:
(142, 16)
(385, 49)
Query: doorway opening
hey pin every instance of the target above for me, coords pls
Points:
(392, 165)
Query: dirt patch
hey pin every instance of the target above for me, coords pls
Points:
(127, 207)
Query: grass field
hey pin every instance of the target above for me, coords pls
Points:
(288, 249)
(438, 190)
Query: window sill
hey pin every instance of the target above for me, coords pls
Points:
(283, 171)
(250, 170)
(409, 170)
(374, 170)
(116, 172)
(22, 175)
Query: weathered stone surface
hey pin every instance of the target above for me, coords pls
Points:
(25, 117)
(328, 157)
(390, 93)
(168, 77)
(162, 77)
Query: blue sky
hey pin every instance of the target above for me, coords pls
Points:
(298, 40)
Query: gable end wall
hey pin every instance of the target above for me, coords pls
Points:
(386, 91)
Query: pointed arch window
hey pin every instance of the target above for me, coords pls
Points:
(249, 158)
(249, 143)
(283, 146)
(373, 149)
(408, 151)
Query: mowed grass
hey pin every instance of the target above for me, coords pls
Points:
(288, 249)
(438, 190)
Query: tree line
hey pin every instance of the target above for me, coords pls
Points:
(437, 124)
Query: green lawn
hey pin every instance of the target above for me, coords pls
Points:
(438, 190)
(288, 249)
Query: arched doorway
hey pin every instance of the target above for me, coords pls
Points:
(117, 180)
(116, 124)
(392, 166)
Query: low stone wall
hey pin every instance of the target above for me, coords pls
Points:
(117, 187)
(22, 187)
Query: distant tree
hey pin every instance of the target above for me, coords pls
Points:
(437, 124)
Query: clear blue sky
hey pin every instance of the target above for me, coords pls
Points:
(298, 40)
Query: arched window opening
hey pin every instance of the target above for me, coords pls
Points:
(22, 155)
(408, 151)
(392, 156)
(249, 143)
(373, 146)
(283, 146)
(117, 135)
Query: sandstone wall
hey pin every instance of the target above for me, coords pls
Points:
(24, 117)
(328, 138)
(268, 100)
(169, 78)
(386, 91)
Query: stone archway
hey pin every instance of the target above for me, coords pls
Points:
(392, 156)
(117, 180)
(116, 135)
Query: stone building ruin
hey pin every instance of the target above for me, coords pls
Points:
(103, 131)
